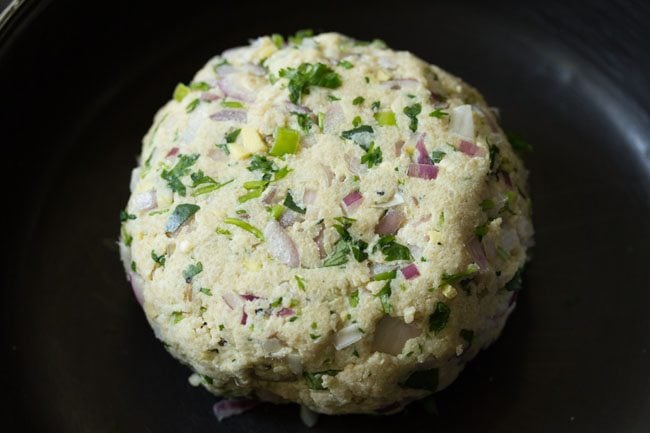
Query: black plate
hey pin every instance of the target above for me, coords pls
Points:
(80, 83)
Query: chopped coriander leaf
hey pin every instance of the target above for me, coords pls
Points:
(277, 302)
(205, 291)
(192, 105)
(518, 144)
(367, 80)
(181, 214)
(245, 226)
(159, 259)
(192, 271)
(385, 118)
(282, 173)
(203, 184)
(439, 318)
(133, 266)
(494, 152)
(467, 335)
(486, 204)
(232, 104)
(321, 121)
(300, 282)
(179, 170)
(287, 140)
(361, 135)
(358, 249)
(345, 64)
(255, 193)
(358, 100)
(424, 379)
(471, 270)
(181, 91)
(231, 136)
(261, 163)
(304, 121)
(339, 256)
(353, 298)
(224, 232)
(309, 75)
(412, 112)
(503, 254)
(481, 231)
(224, 147)
(384, 297)
(291, 204)
(277, 39)
(346, 221)
(177, 316)
(438, 114)
(300, 35)
(127, 238)
(392, 250)
(390, 275)
(372, 156)
(199, 85)
(437, 155)
(516, 283)
(333, 97)
(314, 381)
(375, 105)
(356, 121)
(124, 216)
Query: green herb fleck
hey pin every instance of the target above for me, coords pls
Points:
(412, 112)
(390, 275)
(437, 155)
(181, 213)
(439, 318)
(438, 114)
(309, 75)
(375, 106)
(353, 298)
(486, 204)
(245, 226)
(177, 316)
(277, 39)
(300, 35)
(181, 91)
(392, 250)
(358, 100)
(385, 118)
(300, 282)
(205, 291)
(516, 283)
(232, 104)
(314, 381)
(192, 271)
(192, 105)
(345, 64)
(182, 168)
(291, 204)
(467, 335)
(481, 231)
(384, 297)
(372, 156)
(124, 216)
(159, 259)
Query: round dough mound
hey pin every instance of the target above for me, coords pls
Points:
(328, 222)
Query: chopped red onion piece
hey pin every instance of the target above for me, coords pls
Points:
(309, 197)
(461, 122)
(270, 197)
(423, 156)
(319, 239)
(423, 171)
(227, 408)
(478, 255)
(284, 312)
(391, 334)
(239, 116)
(390, 222)
(244, 316)
(172, 152)
(288, 218)
(280, 245)
(300, 109)
(469, 148)
(352, 201)
(249, 297)
(399, 144)
(232, 300)
(295, 363)
(254, 69)
(226, 69)
(231, 86)
(411, 271)
(209, 97)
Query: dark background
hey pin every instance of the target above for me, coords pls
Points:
(80, 83)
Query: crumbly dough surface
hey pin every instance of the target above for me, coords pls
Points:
(350, 250)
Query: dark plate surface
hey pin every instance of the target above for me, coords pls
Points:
(80, 84)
